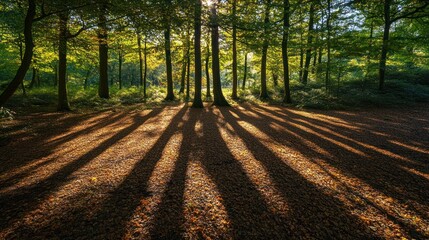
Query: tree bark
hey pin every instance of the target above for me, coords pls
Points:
(309, 45)
(139, 45)
(234, 50)
(188, 70)
(328, 42)
(103, 86)
(208, 94)
(264, 92)
(120, 60)
(198, 103)
(243, 87)
(145, 69)
(219, 99)
(183, 76)
(33, 81)
(21, 55)
(285, 59)
(63, 103)
(170, 93)
(385, 46)
(28, 54)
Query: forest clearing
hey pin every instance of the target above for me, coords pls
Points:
(214, 119)
(253, 171)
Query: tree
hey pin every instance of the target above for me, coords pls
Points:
(198, 103)
(286, 25)
(103, 49)
(28, 54)
(234, 50)
(167, 47)
(309, 43)
(264, 92)
(219, 99)
(401, 9)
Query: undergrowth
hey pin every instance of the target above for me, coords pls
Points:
(343, 95)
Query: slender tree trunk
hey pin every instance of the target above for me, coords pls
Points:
(139, 45)
(301, 49)
(198, 103)
(145, 68)
(183, 76)
(264, 92)
(275, 78)
(56, 74)
(286, 25)
(188, 70)
(309, 45)
(385, 47)
(313, 68)
(103, 85)
(63, 103)
(170, 93)
(28, 54)
(368, 56)
(234, 51)
(243, 87)
(33, 78)
(328, 41)
(120, 60)
(208, 94)
(21, 55)
(219, 99)
(85, 83)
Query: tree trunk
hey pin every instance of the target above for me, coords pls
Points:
(275, 79)
(183, 76)
(63, 103)
(145, 68)
(21, 55)
(243, 87)
(264, 92)
(103, 86)
(309, 45)
(219, 99)
(385, 47)
(301, 49)
(139, 45)
(328, 41)
(208, 94)
(85, 83)
(188, 70)
(120, 60)
(170, 93)
(33, 78)
(234, 50)
(286, 25)
(28, 54)
(198, 103)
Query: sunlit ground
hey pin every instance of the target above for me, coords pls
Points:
(248, 171)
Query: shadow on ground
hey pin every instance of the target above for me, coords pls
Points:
(259, 172)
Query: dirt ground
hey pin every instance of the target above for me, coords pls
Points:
(255, 172)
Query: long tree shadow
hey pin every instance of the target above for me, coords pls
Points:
(16, 204)
(391, 179)
(45, 148)
(313, 214)
(169, 221)
(248, 212)
(38, 146)
(385, 176)
(111, 218)
(389, 130)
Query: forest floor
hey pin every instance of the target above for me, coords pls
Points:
(249, 171)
